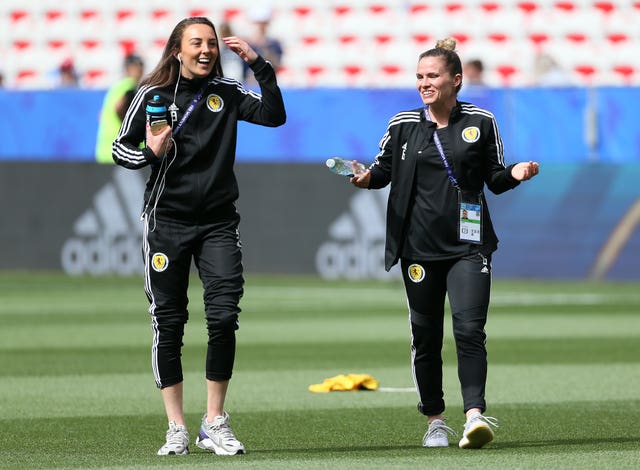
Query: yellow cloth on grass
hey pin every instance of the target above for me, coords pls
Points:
(342, 383)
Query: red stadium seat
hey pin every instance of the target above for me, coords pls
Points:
(54, 15)
(95, 78)
(22, 45)
(617, 38)
(198, 12)
(231, 14)
(89, 14)
(18, 16)
(528, 8)
(626, 72)
(422, 40)
(379, 9)
(303, 11)
(565, 6)
(585, 71)
(315, 70)
(576, 37)
(539, 39)
(342, 10)
(454, 7)
(498, 37)
(461, 37)
(90, 45)
(490, 7)
(605, 7)
(418, 8)
(128, 46)
(27, 78)
(125, 15)
(392, 69)
(354, 74)
(506, 72)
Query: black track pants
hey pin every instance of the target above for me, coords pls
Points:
(168, 250)
(467, 281)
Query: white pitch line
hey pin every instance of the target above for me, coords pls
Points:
(397, 389)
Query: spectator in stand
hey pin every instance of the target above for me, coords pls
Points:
(474, 88)
(265, 45)
(473, 73)
(67, 75)
(115, 105)
(232, 65)
(547, 72)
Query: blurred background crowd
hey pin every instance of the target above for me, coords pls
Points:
(331, 43)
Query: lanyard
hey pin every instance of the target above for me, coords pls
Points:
(445, 162)
(190, 109)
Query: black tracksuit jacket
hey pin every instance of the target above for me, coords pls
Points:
(476, 159)
(200, 182)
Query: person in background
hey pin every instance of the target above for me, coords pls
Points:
(264, 44)
(115, 105)
(67, 75)
(473, 73)
(232, 65)
(548, 72)
(190, 214)
(438, 158)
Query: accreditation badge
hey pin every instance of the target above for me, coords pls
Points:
(469, 217)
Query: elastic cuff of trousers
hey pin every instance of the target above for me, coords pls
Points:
(430, 411)
(218, 377)
(481, 408)
(169, 382)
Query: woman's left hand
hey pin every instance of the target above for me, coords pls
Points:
(242, 48)
(524, 171)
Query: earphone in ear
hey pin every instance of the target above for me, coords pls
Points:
(179, 57)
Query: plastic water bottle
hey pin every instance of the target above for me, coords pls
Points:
(344, 167)
(156, 111)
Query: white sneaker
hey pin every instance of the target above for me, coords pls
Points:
(477, 431)
(436, 435)
(177, 440)
(218, 437)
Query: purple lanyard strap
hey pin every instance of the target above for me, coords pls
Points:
(445, 162)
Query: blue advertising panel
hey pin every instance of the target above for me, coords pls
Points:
(544, 124)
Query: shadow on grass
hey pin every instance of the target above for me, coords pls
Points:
(596, 443)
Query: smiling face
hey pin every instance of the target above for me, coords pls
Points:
(199, 51)
(435, 83)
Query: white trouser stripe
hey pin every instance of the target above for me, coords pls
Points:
(413, 353)
(152, 307)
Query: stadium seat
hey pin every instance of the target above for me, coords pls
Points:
(586, 73)
(625, 72)
(163, 19)
(605, 7)
(506, 72)
(539, 39)
(28, 78)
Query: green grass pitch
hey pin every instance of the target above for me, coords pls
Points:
(76, 389)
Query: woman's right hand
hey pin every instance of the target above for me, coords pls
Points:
(160, 143)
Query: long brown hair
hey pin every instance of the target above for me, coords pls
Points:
(168, 68)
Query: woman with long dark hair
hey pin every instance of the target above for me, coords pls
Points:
(189, 211)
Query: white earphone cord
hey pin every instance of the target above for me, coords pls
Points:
(162, 173)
